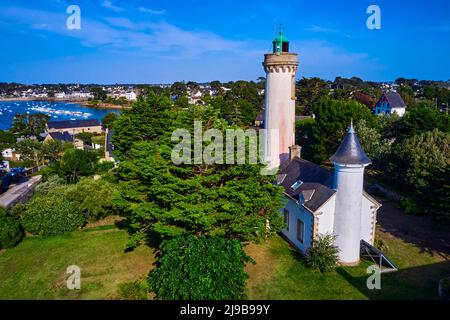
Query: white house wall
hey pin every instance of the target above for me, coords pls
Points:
(367, 220)
(298, 212)
(325, 217)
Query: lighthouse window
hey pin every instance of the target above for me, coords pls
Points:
(297, 184)
(300, 230)
(286, 218)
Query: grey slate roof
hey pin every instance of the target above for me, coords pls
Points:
(350, 150)
(316, 182)
(73, 124)
(64, 137)
(394, 99)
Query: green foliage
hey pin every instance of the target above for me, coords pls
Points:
(166, 199)
(309, 91)
(90, 197)
(136, 290)
(6, 138)
(415, 158)
(28, 125)
(410, 206)
(371, 140)
(86, 137)
(199, 269)
(51, 214)
(104, 166)
(29, 150)
(420, 119)
(148, 119)
(76, 163)
(11, 232)
(109, 118)
(381, 245)
(99, 93)
(439, 187)
(52, 150)
(52, 182)
(323, 255)
(321, 138)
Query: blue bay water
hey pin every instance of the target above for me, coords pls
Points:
(56, 110)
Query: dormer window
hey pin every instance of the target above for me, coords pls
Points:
(296, 184)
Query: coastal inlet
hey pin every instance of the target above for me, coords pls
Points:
(55, 110)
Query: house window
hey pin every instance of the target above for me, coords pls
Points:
(286, 218)
(300, 230)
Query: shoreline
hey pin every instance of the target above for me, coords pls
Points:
(83, 103)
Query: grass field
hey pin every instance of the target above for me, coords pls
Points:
(36, 269)
(281, 274)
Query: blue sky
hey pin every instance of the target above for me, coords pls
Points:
(161, 41)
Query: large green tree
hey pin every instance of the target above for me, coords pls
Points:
(415, 158)
(321, 137)
(422, 118)
(28, 125)
(199, 269)
(166, 199)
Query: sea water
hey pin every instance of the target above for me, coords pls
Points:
(55, 110)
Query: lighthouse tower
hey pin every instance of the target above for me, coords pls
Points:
(280, 67)
(349, 163)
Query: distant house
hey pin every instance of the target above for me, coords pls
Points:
(130, 95)
(75, 126)
(389, 103)
(64, 137)
(60, 95)
(10, 154)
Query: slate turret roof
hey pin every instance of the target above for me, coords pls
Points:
(350, 150)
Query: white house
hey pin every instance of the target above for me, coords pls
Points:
(130, 95)
(318, 201)
(60, 95)
(389, 103)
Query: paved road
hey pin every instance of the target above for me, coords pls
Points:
(20, 192)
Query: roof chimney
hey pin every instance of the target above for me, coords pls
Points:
(295, 151)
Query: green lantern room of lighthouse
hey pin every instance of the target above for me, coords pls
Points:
(280, 43)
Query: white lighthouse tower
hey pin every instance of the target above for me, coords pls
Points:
(349, 163)
(280, 67)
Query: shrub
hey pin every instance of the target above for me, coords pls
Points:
(10, 230)
(410, 206)
(200, 268)
(381, 245)
(51, 214)
(104, 166)
(323, 255)
(49, 185)
(136, 290)
(92, 198)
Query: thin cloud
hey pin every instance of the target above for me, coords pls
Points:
(319, 29)
(121, 34)
(151, 11)
(109, 5)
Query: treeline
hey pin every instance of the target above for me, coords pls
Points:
(413, 91)
(411, 153)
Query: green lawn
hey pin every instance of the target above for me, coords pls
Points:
(281, 274)
(36, 268)
(100, 139)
